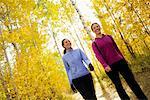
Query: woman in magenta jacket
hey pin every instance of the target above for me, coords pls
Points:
(108, 54)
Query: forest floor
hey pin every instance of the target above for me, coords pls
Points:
(109, 93)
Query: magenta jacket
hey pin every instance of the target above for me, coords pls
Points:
(109, 52)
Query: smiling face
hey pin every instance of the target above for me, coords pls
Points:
(66, 44)
(96, 28)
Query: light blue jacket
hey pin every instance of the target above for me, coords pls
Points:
(73, 61)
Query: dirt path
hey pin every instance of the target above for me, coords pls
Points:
(143, 79)
(99, 93)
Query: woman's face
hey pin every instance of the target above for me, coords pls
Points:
(67, 44)
(96, 29)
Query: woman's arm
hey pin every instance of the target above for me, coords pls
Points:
(86, 60)
(99, 55)
(84, 57)
(69, 76)
(67, 70)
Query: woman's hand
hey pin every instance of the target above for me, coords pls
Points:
(73, 88)
(91, 67)
(108, 69)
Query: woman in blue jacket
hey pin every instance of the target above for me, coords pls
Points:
(78, 74)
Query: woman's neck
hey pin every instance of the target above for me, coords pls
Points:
(99, 35)
(69, 49)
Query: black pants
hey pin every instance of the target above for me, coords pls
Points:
(122, 68)
(85, 86)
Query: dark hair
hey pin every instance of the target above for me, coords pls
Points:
(93, 24)
(63, 45)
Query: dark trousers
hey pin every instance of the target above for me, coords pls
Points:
(85, 87)
(122, 68)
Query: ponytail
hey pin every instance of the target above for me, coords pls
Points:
(64, 50)
(63, 45)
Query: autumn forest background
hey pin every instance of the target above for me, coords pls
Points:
(31, 31)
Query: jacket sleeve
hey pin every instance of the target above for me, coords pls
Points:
(99, 55)
(68, 71)
(84, 57)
